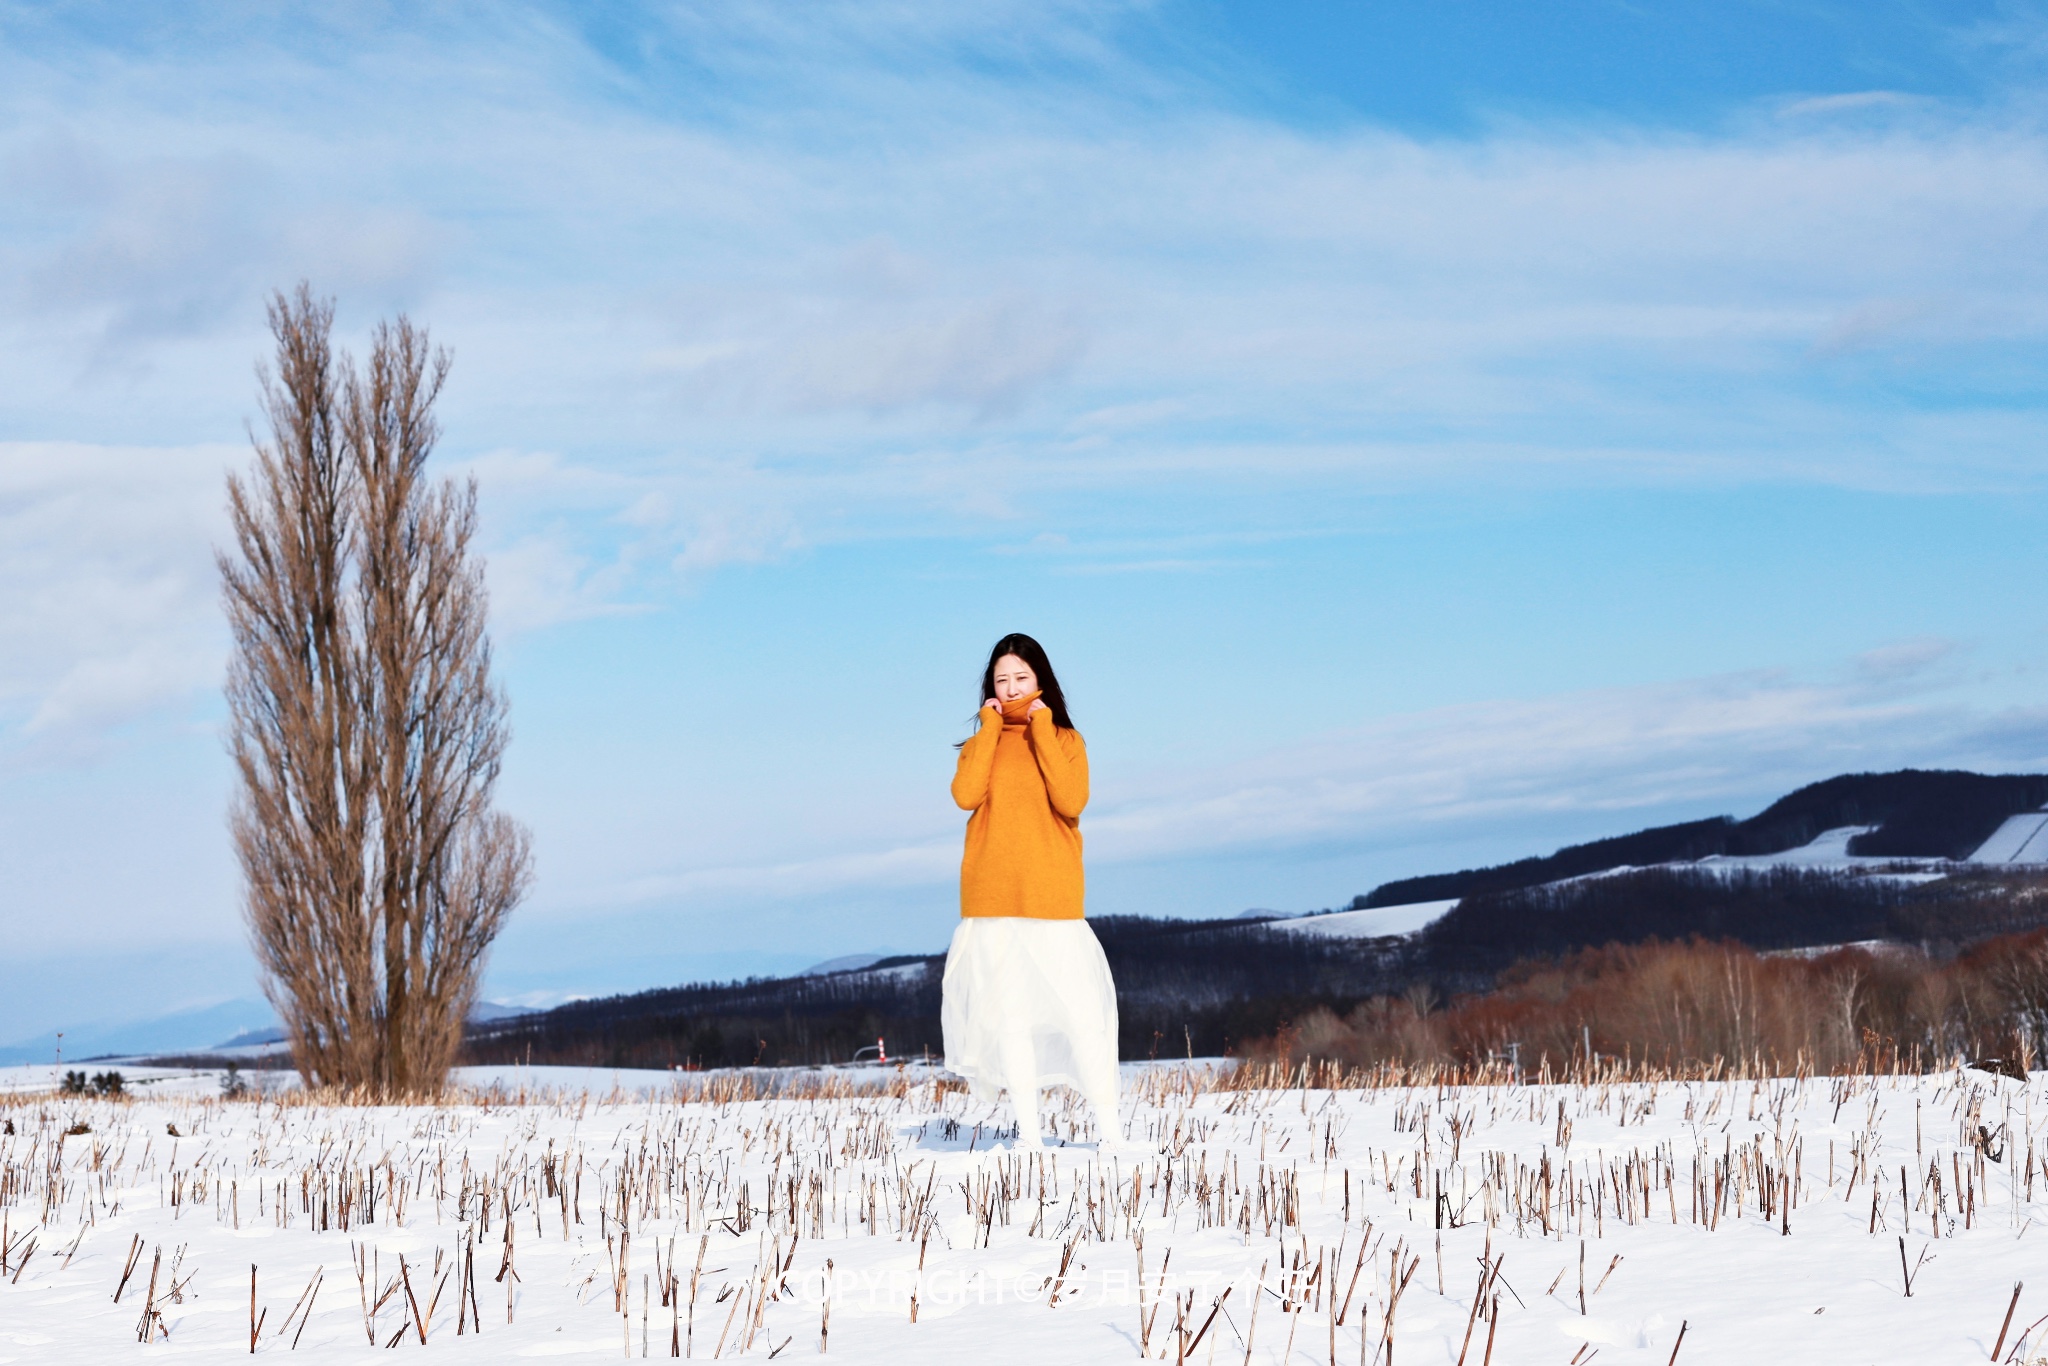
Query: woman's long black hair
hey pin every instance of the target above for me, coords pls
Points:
(1032, 653)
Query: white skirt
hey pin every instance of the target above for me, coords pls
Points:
(1029, 1004)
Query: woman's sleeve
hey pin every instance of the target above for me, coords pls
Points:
(1062, 762)
(977, 761)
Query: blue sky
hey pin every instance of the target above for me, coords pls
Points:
(1422, 435)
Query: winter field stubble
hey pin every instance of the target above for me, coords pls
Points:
(1263, 1216)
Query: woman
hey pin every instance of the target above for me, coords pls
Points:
(1028, 998)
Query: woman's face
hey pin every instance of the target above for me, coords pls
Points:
(1013, 679)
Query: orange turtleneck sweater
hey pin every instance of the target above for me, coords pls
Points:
(1026, 781)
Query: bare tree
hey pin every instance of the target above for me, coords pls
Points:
(366, 730)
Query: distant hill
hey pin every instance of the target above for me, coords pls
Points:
(1207, 986)
(1770, 908)
(1199, 986)
(196, 1027)
(1918, 814)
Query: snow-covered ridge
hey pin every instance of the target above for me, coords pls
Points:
(1826, 852)
(851, 962)
(1374, 923)
(2022, 839)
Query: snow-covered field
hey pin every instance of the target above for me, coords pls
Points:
(1762, 1218)
(156, 1083)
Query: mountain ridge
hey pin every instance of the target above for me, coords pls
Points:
(1917, 813)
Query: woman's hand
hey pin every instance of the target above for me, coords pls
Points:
(1036, 705)
(992, 705)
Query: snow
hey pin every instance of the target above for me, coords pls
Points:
(899, 970)
(31, 1078)
(1828, 851)
(512, 1079)
(846, 963)
(1249, 1190)
(2022, 839)
(1368, 924)
(1874, 947)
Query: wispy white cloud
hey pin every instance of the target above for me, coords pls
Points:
(823, 288)
(1904, 659)
(1419, 778)
(907, 865)
(106, 585)
(1850, 102)
(1872, 324)
(879, 229)
(728, 284)
(1454, 772)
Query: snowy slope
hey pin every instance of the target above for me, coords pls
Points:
(1827, 852)
(1367, 924)
(2022, 839)
(846, 963)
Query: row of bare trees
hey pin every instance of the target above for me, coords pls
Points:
(366, 730)
(1679, 1004)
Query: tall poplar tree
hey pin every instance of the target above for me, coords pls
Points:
(366, 730)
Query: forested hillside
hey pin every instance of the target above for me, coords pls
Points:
(1918, 814)
(1208, 988)
(1211, 987)
(1182, 986)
